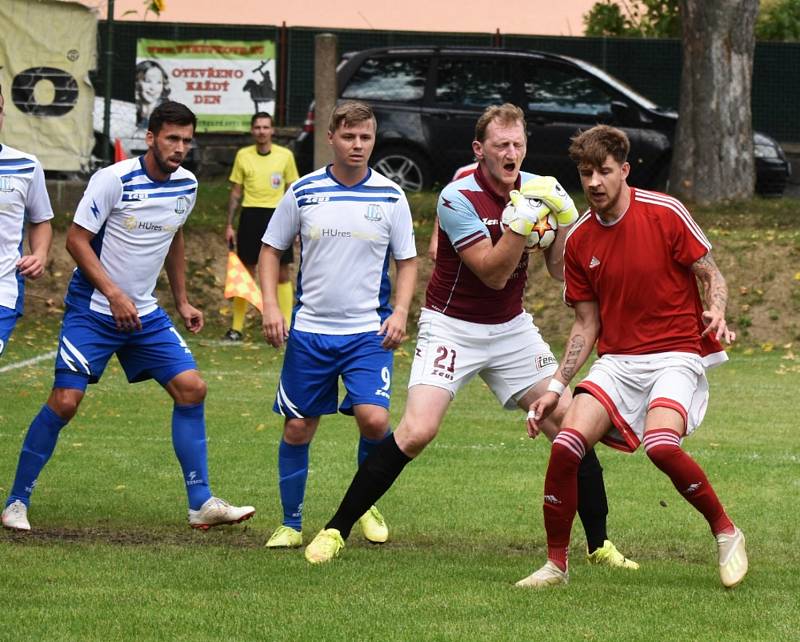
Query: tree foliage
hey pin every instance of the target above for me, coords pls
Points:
(778, 19)
(634, 18)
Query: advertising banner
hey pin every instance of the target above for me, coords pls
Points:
(223, 81)
(47, 49)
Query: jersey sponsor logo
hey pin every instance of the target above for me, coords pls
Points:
(136, 196)
(131, 223)
(310, 200)
(276, 179)
(594, 263)
(490, 221)
(544, 360)
(317, 233)
(374, 213)
(5, 184)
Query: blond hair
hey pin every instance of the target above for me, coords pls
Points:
(506, 114)
(349, 113)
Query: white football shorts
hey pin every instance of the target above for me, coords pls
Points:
(510, 357)
(629, 385)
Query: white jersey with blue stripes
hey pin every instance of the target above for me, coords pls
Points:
(134, 219)
(347, 234)
(23, 198)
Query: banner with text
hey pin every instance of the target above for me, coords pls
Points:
(223, 81)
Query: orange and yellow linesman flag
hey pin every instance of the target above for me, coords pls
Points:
(239, 283)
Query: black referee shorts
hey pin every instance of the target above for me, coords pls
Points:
(252, 225)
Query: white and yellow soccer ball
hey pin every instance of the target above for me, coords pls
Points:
(531, 217)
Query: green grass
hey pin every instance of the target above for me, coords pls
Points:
(757, 213)
(112, 558)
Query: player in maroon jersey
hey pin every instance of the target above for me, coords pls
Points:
(473, 323)
(631, 268)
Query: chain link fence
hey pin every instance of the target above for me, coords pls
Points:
(652, 67)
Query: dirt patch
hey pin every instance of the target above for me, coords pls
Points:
(762, 271)
(229, 537)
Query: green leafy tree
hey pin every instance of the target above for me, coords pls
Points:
(779, 20)
(634, 18)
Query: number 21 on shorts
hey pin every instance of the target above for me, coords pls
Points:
(445, 363)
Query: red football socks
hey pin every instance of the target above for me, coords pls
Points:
(663, 446)
(561, 493)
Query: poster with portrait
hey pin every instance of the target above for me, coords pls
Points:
(223, 81)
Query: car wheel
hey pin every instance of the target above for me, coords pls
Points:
(405, 167)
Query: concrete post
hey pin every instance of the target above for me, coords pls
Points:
(325, 91)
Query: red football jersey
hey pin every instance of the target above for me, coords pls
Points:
(638, 269)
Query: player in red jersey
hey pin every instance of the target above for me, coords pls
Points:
(473, 323)
(631, 267)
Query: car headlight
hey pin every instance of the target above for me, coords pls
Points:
(765, 151)
(765, 147)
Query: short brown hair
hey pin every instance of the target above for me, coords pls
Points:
(593, 146)
(506, 114)
(349, 113)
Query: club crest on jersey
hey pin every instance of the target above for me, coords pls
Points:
(181, 205)
(276, 179)
(130, 223)
(5, 184)
(374, 213)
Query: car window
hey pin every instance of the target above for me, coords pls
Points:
(395, 79)
(566, 91)
(474, 83)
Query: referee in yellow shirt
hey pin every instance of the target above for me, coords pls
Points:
(261, 173)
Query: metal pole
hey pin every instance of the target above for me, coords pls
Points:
(109, 74)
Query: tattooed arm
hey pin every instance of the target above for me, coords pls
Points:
(716, 297)
(581, 341)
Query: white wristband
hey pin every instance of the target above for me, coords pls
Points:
(556, 386)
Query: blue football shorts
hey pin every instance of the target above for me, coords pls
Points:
(88, 339)
(313, 363)
(8, 319)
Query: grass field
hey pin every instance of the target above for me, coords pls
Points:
(111, 556)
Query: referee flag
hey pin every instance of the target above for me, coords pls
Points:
(239, 283)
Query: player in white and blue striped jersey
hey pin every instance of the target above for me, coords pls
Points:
(351, 221)
(23, 199)
(128, 226)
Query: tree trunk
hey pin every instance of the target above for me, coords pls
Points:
(713, 156)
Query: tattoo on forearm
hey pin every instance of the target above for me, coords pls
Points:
(570, 364)
(715, 288)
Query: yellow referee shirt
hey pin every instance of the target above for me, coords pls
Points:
(264, 177)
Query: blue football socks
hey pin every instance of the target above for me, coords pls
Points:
(40, 441)
(189, 442)
(292, 476)
(366, 446)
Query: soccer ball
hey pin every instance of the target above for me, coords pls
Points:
(543, 234)
(544, 231)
